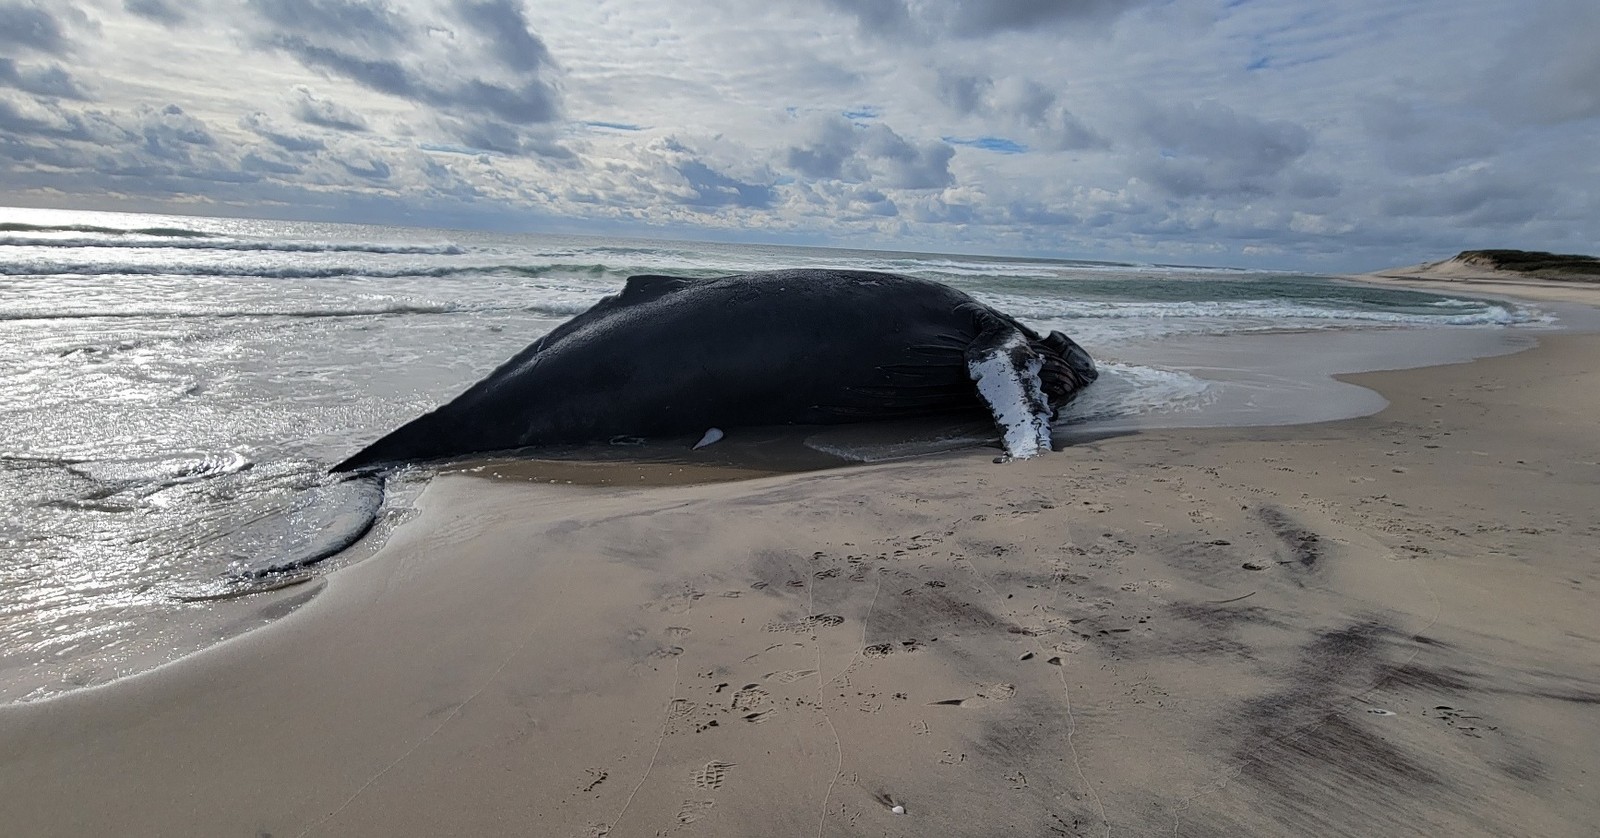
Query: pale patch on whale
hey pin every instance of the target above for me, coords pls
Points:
(1008, 381)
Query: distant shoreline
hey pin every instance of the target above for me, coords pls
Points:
(1467, 275)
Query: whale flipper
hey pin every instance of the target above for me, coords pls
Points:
(1005, 367)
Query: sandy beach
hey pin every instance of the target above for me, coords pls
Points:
(1372, 627)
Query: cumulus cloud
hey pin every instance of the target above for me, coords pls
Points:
(263, 126)
(836, 149)
(695, 179)
(47, 80)
(1019, 105)
(310, 108)
(171, 134)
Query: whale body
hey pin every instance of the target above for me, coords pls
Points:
(670, 356)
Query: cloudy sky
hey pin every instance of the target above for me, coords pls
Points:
(1288, 133)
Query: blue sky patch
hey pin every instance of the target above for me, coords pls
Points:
(999, 145)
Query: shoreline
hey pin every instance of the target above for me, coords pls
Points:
(1435, 276)
(1360, 626)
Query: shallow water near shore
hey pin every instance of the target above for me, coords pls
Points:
(172, 381)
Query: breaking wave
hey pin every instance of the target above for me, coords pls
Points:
(203, 241)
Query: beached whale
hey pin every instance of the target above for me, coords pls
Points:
(670, 357)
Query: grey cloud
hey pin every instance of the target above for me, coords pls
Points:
(982, 17)
(1022, 104)
(160, 11)
(916, 19)
(481, 64)
(382, 75)
(310, 108)
(1417, 144)
(1029, 100)
(829, 144)
(1313, 185)
(254, 162)
(834, 149)
(43, 118)
(1550, 69)
(533, 102)
(1069, 133)
(909, 165)
(504, 25)
(261, 125)
(877, 17)
(964, 94)
(371, 168)
(1478, 197)
(1210, 149)
(371, 24)
(40, 81)
(1041, 216)
(716, 189)
(29, 26)
(498, 137)
(706, 184)
(171, 134)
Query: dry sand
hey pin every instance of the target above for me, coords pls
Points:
(1477, 279)
(1379, 626)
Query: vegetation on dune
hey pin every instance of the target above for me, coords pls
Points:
(1535, 263)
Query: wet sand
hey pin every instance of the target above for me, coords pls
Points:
(1377, 626)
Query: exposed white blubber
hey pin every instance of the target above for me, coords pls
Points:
(1015, 396)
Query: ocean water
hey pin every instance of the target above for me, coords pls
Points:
(170, 382)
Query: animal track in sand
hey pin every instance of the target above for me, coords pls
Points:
(712, 775)
(677, 631)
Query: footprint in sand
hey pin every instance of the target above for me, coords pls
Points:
(680, 600)
(789, 676)
(988, 694)
(712, 775)
(811, 623)
(749, 697)
(693, 810)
